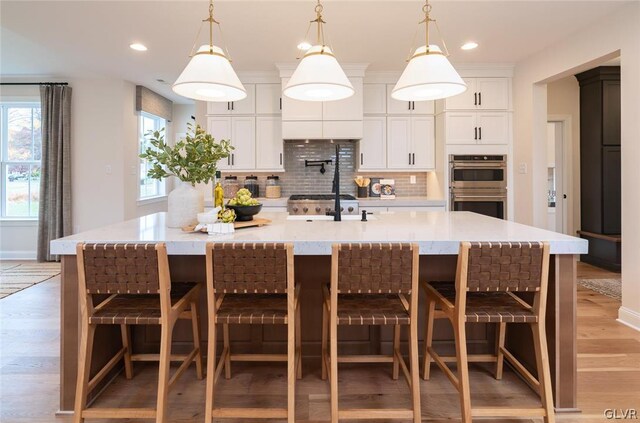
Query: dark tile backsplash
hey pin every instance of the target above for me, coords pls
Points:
(298, 179)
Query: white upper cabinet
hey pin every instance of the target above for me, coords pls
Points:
(477, 128)
(268, 99)
(246, 106)
(242, 133)
(347, 109)
(411, 142)
(372, 148)
(397, 107)
(299, 110)
(482, 94)
(374, 99)
(269, 144)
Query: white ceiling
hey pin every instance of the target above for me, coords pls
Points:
(91, 38)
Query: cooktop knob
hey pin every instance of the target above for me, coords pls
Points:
(318, 209)
(305, 209)
(295, 209)
(341, 209)
(327, 209)
(350, 209)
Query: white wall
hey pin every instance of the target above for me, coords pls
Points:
(563, 100)
(616, 34)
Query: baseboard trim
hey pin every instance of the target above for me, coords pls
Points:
(629, 318)
(18, 255)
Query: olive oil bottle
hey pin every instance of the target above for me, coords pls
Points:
(218, 192)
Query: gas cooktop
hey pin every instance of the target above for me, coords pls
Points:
(317, 197)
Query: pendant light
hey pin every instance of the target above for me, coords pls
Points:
(209, 75)
(319, 76)
(429, 75)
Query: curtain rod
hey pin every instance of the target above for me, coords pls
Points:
(34, 83)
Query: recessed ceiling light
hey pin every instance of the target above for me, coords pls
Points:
(469, 46)
(304, 46)
(138, 47)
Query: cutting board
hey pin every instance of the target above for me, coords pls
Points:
(237, 225)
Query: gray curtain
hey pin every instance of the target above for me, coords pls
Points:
(54, 217)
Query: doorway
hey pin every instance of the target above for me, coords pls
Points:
(556, 177)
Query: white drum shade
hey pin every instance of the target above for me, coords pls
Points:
(209, 77)
(319, 77)
(428, 77)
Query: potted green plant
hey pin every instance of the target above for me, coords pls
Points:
(192, 160)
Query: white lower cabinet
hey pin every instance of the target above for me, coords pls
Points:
(410, 142)
(269, 144)
(242, 133)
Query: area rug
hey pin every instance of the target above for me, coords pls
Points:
(18, 276)
(609, 287)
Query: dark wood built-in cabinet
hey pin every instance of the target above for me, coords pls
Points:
(600, 177)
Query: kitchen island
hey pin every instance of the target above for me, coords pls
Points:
(438, 235)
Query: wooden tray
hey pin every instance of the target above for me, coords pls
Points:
(237, 225)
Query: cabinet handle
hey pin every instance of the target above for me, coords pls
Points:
(480, 133)
(280, 159)
(361, 158)
(414, 158)
(228, 160)
(479, 99)
(409, 105)
(280, 103)
(232, 105)
(409, 159)
(228, 106)
(475, 137)
(233, 157)
(475, 99)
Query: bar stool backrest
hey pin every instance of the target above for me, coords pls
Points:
(121, 268)
(376, 268)
(505, 266)
(251, 268)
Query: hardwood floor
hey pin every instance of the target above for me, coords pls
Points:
(608, 372)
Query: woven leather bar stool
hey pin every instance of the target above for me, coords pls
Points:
(135, 279)
(369, 285)
(488, 278)
(249, 284)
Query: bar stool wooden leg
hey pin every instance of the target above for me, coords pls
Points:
(166, 333)
(428, 337)
(84, 367)
(298, 343)
(291, 368)
(500, 338)
(333, 361)
(126, 344)
(195, 326)
(227, 349)
(463, 370)
(544, 376)
(396, 351)
(325, 335)
(415, 370)
(211, 373)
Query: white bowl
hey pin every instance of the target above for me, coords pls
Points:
(207, 217)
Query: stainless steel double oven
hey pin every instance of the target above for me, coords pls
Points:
(478, 183)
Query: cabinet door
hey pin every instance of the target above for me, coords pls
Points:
(611, 193)
(220, 129)
(398, 142)
(465, 101)
(243, 132)
(218, 107)
(373, 145)
(268, 99)
(246, 106)
(396, 107)
(299, 110)
(374, 98)
(347, 109)
(493, 128)
(493, 93)
(269, 143)
(423, 107)
(460, 128)
(423, 144)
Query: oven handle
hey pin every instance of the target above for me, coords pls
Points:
(488, 165)
(456, 197)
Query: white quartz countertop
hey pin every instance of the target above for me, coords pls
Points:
(435, 232)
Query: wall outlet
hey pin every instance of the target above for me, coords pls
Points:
(522, 168)
(412, 179)
(108, 170)
(133, 170)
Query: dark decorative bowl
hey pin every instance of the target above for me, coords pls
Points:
(245, 213)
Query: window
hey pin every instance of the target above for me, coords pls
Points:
(149, 187)
(20, 157)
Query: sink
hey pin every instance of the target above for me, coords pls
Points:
(352, 217)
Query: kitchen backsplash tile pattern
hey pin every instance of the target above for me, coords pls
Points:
(299, 179)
